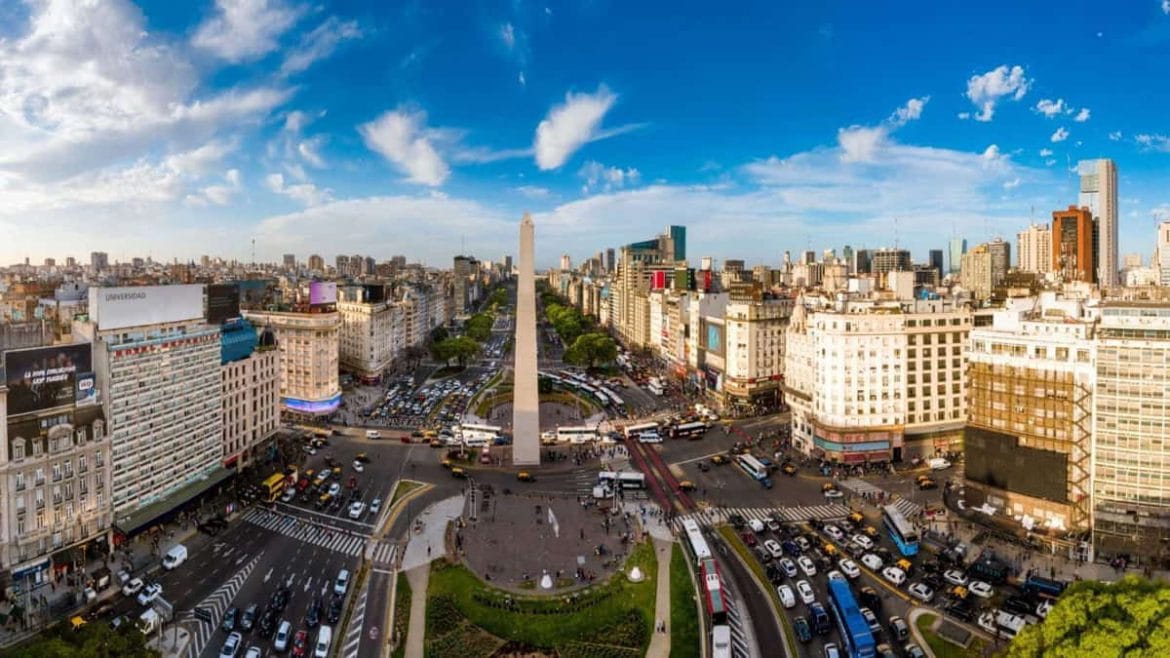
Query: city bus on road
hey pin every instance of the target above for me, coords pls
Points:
(274, 486)
(695, 539)
(576, 434)
(627, 480)
(855, 632)
(689, 431)
(903, 534)
(752, 466)
(634, 431)
(475, 436)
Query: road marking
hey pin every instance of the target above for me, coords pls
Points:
(241, 560)
(696, 459)
(269, 574)
(308, 584)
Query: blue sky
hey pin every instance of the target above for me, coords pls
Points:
(179, 129)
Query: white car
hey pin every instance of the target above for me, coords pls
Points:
(806, 591)
(849, 568)
(773, 548)
(835, 575)
(921, 591)
(872, 561)
(357, 466)
(833, 531)
(1043, 609)
(787, 597)
(334, 489)
(955, 577)
(863, 541)
(981, 589)
(148, 595)
(253, 652)
(756, 525)
(834, 493)
(894, 575)
(133, 587)
(789, 567)
(231, 646)
(356, 509)
(342, 583)
(807, 566)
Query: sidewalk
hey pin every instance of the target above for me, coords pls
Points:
(417, 628)
(660, 642)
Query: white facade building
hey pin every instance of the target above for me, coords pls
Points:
(755, 351)
(251, 401)
(371, 337)
(1035, 248)
(309, 358)
(1099, 195)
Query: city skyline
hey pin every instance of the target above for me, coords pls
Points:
(315, 130)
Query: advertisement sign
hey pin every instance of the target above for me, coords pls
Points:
(312, 406)
(322, 292)
(223, 302)
(48, 377)
(657, 280)
(135, 306)
(713, 338)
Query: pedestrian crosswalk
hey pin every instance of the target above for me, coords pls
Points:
(203, 620)
(340, 541)
(739, 644)
(908, 508)
(715, 516)
(861, 487)
(381, 553)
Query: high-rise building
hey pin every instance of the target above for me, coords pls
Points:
(50, 262)
(70, 262)
(342, 264)
(957, 247)
(678, 240)
(373, 331)
(1072, 245)
(158, 367)
(863, 261)
(566, 263)
(809, 257)
(1034, 245)
(610, 260)
(1099, 195)
(507, 265)
(466, 280)
(290, 261)
(890, 260)
(316, 263)
(249, 370)
(754, 352)
(99, 260)
(847, 258)
(309, 356)
(984, 267)
(936, 263)
(1162, 255)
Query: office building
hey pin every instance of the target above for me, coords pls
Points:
(316, 264)
(984, 268)
(250, 373)
(847, 259)
(863, 261)
(566, 263)
(956, 248)
(1099, 195)
(1162, 255)
(342, 262)
(309, 350)
(890, 260)
(158, 367)
(290, 261)
(1073, 231)
(372, 333)
(610, 260)
(1034, 245)
(936, 263)
(753, 348)
(466, 284)
(99, 260)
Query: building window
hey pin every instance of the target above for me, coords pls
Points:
(20, 482)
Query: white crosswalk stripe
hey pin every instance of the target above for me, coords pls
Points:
(381, 553)
(739, 647)
(301, 530)
(908, 508)
(716, 516)
(214, 604)
(353, 635)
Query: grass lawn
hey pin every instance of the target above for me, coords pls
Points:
(404, 487)
(401, 615)
(617, 614)
(753, 564)
(943, 649)
(684, 617)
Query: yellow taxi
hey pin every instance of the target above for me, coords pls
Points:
(525, 476)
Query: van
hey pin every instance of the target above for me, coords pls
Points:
(148, 621)
(938, 464)
(324, 639)
(174, 557)
(373, 434)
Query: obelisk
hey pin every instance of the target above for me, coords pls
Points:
(525, 391)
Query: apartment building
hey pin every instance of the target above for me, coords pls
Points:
(1034, 245)
(250, 373)
(372, 332)
(755, 334)
(1028, 441)
(309, 357)
(876, 381)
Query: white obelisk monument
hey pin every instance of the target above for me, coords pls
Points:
(525, 391)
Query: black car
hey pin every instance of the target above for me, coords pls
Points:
(1018, 605)
(249, 618)
(933, 581)
(268, 623)
(229, 619)
(803, 631)
(775, 574)
(870, 598)
(313, 615)
(279, 599)
(736, 521)
(960, 610)
(335, 607)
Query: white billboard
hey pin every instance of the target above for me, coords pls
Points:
(135, 306)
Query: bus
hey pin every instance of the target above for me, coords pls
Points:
(856, 636)
(689, 431)
(477, 435)
(626, 480)
(903, 534)
(634, 431)
(274, 486)
(576, 434)
(654, 387)
(1044, 587)
(695, 539)
(752, 466)
(721, 641)
(713, 595)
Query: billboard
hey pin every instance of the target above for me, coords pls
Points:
(48, 377)
(322, 292)
(117, 308)
(313, 407)
(223, 302)
(998, 460)
(712, 337)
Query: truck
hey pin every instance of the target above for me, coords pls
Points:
(149, 621)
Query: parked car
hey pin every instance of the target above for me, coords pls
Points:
(898, 628)
(789, 567)
(872, 561)
(981, 589)
(806, 591)
(787, 597)
(806, 565)
(955, 577)
(920, 592)
(895, 575)
(134, 586)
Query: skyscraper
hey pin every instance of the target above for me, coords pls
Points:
(1034, 245)
(958, 247)
(1162, 255)
(936, 262)
(1072, 245)
(566, 263)
(610, 262)
(1099, 195)
(678, 238)
(290, 261)
(99, 260)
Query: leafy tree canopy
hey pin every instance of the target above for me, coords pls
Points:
(94, 640)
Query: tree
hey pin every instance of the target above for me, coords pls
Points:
(479, 327)
(439, 334)
(94, 640)
(591, 349)
(460, 348)
(1126, 618)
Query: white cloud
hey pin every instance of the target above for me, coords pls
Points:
(1011, 184)
(909, 112)
(241, 30)
(1049, 162)
(1154, 142)
(401, 136)
(534, 191)
(1166, 6)
(599, 176)
(1060, 135)
(1082, 116)
(508, 35)
(986, 90)
(1115, 136)
(963, 116)
(319, 44)
(860, 143)
(309, 150)
(1044, 153)
(306, 193)
(218, 194)
(570, 125)
(1051, 108)
(523, 80)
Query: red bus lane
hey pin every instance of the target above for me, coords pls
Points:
(672, 482)
(651, 480)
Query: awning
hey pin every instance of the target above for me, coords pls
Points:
(129, 524)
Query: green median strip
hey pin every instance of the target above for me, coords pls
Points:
(753, 564)
(684, 615)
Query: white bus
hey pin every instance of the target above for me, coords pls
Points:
(721, 641)
(576, 434)
(627, 479)
(654, 387)
(634, 431)
(752, 467)
(474, 436)
(696, 540)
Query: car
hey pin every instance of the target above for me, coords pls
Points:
(899, 629)
(283, 635)
(955, 577)
(356, 509)
(870, 532)
(855, 551)
(719, 460)
(253, 652)
(803, 630)
(313, 614)
(874, 625)
(862, 541)
(849, 568)
(806, 591)
(756, 525)
(885, 651)
(914, 651)
(149, 594)
(806, 565)
(836, 575)
(737, 521)
(831, 651)
(789, 567)
(872, 561)
(772, 525)
(920, 591)
(895, 575)
(300, 644)
(362, 457)
(927, 483)
(787, 596)
(773, 548)
(335, 608)
(704, 467)
(869, 598)
(375, 506)
(1043, 609)
(248, 620)
(805, 543)
(749, 538)
(231, 645)
(133, 587)
(267, 624)
(334, 489)
(357, 466)
(959, 610)
(229, 619)
(766, 483)
(833, 493)
(833, 531)
(788, 468)
(342, 583)
(790, 547)
(981, 589)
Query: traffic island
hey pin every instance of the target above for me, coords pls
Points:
(943, 638)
